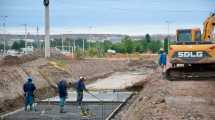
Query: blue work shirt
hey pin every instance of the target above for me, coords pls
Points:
(162, 60)
(29, 88)
(62, 89)
(80, 86)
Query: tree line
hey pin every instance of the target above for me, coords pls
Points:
(127, 45)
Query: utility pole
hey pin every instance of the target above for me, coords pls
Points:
(90, 36)
(4, 29)
(74, 46)
(168, 22)
(167, 42)
(47, 28)
(62, 39)
(25, 25)
(83, 45)
(38, 40)
(4, 32)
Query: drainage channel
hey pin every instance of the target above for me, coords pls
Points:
(102, 105)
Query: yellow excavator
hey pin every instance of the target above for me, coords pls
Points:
(192, 56)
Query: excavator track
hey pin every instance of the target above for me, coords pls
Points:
(194, 72)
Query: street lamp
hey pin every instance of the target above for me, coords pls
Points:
(47, 28)
(4, 32)
(168, 22)
(167, 42)
(25, 27)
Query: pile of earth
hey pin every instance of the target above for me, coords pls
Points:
(150, 102)
(161, 99)
(16, 60)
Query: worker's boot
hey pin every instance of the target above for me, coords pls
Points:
(31, 108)
(62, 110)
(26, 108)
(83, 112)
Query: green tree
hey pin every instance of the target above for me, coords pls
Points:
(137, 46)
(106, 45)
(144, 45)
(127, 44)
(118, 47)
(154, 46)
(148, 38)
(1, 46)
(166, 44)
(17, 45)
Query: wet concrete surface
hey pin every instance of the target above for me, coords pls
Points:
(51, 112)
(100, 107)
(95, 96)
(101, 102)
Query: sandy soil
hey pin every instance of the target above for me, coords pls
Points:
(172, 100)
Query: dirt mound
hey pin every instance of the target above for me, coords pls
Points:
(103, 67)
(150, 104)
(53, 52)
(16, 60)
(172, 100)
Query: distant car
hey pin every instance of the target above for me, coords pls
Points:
(28, 49)
(12, 52)
(65, 52)
(111, 51)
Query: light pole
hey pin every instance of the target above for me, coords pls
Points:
(4, 32)
(167, 42)
(25, 27)
(83, 46)
(168, 22)
(38, 40)
(74, 46)
(47, 28)
(62, 41)
(90, 32)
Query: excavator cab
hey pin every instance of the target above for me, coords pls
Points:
(188, 35)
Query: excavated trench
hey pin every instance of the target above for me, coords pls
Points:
(118, 83)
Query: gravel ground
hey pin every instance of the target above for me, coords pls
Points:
(171, 100)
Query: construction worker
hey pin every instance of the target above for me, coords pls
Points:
(162, 60)
(80, 88)
(62, 90)
(29, 89)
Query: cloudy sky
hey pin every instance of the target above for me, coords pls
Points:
(132, 17)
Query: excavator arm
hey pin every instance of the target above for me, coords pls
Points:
(209, 26)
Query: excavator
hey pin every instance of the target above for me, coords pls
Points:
(192, 56)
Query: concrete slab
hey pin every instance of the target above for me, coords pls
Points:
(51, 112)
(48, 109)
(95, 96)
